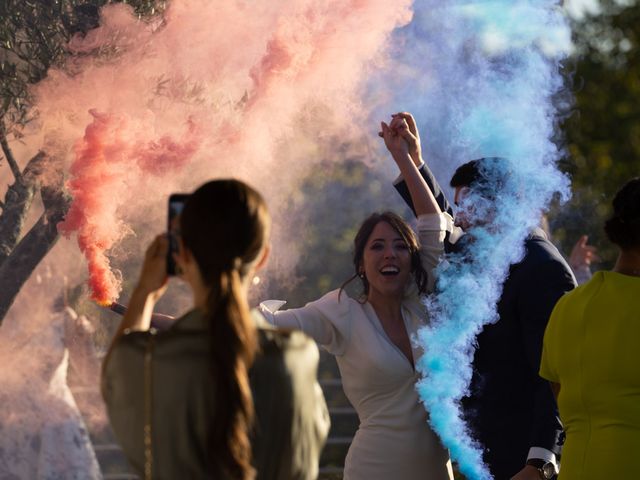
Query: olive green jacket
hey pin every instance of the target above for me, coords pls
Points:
(177, 400)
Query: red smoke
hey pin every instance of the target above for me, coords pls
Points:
(215, 88)
(98, 178)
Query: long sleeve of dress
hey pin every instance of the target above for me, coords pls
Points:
(431, 233)
(326, 320)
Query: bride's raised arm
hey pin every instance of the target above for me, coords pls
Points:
(396, 140)
(432, 222)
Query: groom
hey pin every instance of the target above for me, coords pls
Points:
(510, 409)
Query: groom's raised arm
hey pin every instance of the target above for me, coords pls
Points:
(401, 187)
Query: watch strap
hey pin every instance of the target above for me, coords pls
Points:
(536, 462)
(540, 465)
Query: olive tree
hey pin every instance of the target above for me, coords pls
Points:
(33, 38)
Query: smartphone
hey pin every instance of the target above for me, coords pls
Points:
(176, 204)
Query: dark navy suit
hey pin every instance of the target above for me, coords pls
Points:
(510, 408)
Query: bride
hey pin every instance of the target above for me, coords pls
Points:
(370, 336)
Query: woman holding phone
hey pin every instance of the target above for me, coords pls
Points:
(220, 394)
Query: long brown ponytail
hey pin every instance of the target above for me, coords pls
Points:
(225, 226)
(233, 346)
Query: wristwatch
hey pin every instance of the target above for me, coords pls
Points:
(547, 470)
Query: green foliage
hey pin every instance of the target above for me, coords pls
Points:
(603, 131)
(33, 38)
(34, 35)
(328, 212)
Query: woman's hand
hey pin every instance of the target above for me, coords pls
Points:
(582, 254)
(151, 286)
(412, 136)
(153, 278)
(398, 140)
(394, 138)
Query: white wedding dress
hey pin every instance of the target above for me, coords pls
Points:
(394, 439)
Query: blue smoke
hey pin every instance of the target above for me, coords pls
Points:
(483, 80)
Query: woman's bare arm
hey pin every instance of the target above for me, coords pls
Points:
(394, 138)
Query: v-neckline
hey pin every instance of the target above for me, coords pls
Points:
(380, 328)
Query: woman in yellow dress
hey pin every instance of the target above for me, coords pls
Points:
(592, 357)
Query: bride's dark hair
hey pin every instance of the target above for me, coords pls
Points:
(420, 275)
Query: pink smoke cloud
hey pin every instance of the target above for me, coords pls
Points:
(213, 89)
(104, 160)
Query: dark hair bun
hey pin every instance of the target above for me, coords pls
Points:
(623, 228)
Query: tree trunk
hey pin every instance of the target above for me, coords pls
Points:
(27, 254)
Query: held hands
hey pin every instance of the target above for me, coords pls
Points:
(402, 140)
(394, 140)
(412, 137)
(403, 125)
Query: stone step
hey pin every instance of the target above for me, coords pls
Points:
(334, 452)
(333, 393)
(330, 473)
(327, 368)
(344, 422)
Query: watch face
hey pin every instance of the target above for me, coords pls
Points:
(548, 470)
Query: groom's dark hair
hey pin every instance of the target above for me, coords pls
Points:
(484, 175)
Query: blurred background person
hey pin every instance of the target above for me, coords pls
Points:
(581, 258)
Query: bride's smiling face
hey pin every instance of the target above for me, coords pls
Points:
(386, 261)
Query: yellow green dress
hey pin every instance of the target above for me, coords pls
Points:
(592, 349)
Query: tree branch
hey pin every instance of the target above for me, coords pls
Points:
(8, 154)
(17, 203)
